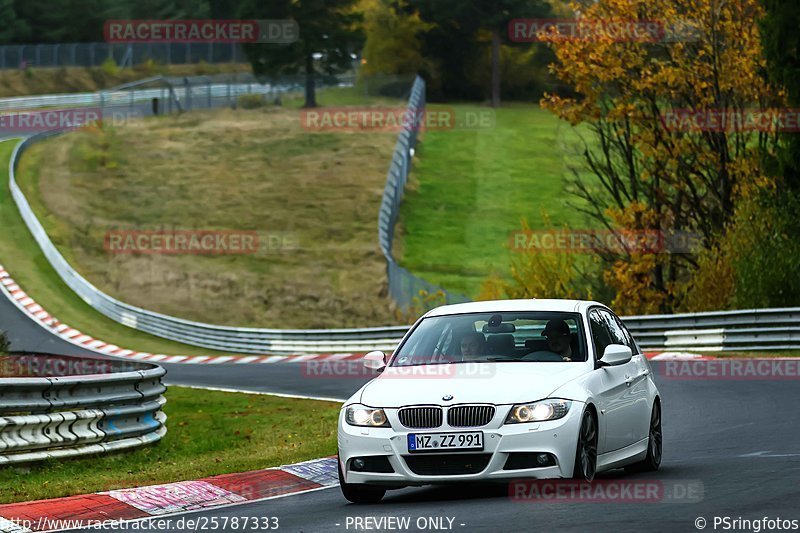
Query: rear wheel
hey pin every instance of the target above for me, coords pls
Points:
(586, 454)
(359, 493)
(652, 461)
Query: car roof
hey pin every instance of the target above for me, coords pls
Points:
(531, 304)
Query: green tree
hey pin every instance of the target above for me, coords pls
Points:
(781, 43)
(45, 21)
(11, 23)
(392, 32)
(169, 9)
(653, 172)
(329, 34)
(463, 31)
(493, 16)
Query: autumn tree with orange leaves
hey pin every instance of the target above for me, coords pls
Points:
(651, 170)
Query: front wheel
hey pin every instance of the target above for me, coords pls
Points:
(359, 493)
(586, 454)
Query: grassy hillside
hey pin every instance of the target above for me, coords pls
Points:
(256, 170)
(469, 188)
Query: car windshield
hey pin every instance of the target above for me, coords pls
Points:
(495, 337)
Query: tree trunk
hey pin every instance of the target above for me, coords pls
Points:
(311, 95)
(495, 68)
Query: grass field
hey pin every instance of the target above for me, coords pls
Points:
(209, 433)
(469, 189)
(316, 193)
(21, 256)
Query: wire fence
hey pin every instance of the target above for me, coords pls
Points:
(14, 56)
(163, 95)
(405, 288)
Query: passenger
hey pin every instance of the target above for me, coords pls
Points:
(558, 338)
(473, 346)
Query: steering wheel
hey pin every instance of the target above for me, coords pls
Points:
(543, 356)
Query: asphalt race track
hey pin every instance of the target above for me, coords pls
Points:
(26, 335)
(737, 439)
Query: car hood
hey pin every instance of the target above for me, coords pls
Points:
(497, 383)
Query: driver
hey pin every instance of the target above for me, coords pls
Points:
(473, 346)
(558, 338)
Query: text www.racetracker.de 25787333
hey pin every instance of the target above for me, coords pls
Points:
(198, 523)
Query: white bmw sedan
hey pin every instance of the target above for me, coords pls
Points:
(501, 390)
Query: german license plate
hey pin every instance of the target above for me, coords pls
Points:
(434, 442)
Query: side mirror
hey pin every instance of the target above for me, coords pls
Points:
(375, 361)
(616, 354)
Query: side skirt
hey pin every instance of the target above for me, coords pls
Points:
(624, 456)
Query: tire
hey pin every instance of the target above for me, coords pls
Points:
(652, 461)
(586, 454)
(359, 493)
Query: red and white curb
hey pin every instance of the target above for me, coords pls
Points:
(35, 311)
(164, 500)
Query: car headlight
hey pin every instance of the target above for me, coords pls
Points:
(538, 411)
(361, 415)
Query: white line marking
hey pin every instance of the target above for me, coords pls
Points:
(260, 393)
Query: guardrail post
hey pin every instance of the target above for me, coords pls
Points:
(188, 93)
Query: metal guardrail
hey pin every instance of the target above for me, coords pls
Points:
(200, 89)
(216, 90)
(741, 330)
(403, 285)
(47, 411)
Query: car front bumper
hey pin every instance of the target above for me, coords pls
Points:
(556, 437)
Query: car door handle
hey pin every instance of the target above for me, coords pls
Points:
(628, 380)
